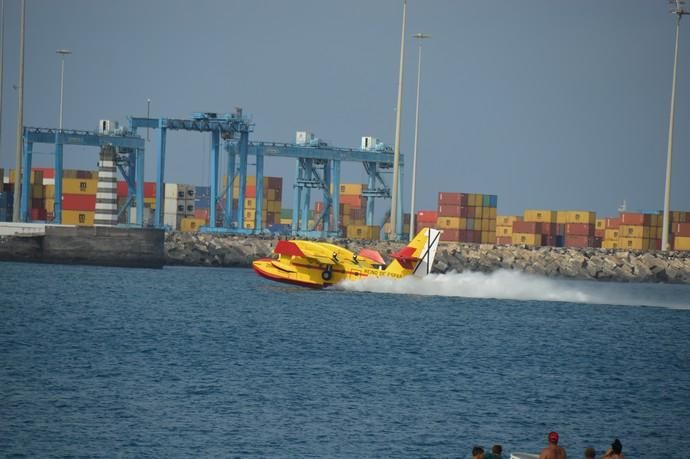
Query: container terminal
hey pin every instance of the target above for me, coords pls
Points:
(236, 202)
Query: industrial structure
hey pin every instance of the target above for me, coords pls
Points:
(318, 167)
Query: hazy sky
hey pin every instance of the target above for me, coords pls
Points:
(548, 104)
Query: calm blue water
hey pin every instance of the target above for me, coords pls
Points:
(192, 362)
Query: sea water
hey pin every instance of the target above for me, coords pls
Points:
(196, 362)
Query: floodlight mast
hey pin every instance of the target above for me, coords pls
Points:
(679, 11)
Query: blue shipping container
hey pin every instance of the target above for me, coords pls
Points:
(202, 203)
(494, 201)
(203, 191)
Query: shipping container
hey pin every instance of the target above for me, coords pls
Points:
(527, 227)
(633, 243)
(527, 238)
(548, 229)
(681, 229)
(577, 240)
(452, 211)
(542, 216)
(635, 218)
(504, 230)
(191, 224)
(451, 223)
(352, 188)
(78, 202)
(78, 217)
(79, 186)
(634, 231)
(450, 235)
(507, 220)
(601, 224)
(609, 244)
(579, 229)
(681, 243)
(613, 222)
(364, 232)
(452, 199)
(579, 216)
(504, 240)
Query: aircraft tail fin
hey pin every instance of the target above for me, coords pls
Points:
(418, 256)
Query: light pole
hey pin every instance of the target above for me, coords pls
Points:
(20, 117)
(62, 53)
(679, 12)
(148, 113)
(420, 37)
(398, 113)
(2, 46)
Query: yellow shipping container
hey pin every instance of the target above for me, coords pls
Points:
(485, 224)
(681, 243)
(492, 225)
(286, 221)
(49, 204)
(507, 220)
(36, 177)
(601, 224)
(352, 188)
(579, 216)
(504, 230)
(609, 244)
(249, 224)
(492, 212)
(49, 191)
(528, 239)
(488, 238)
(364, 232)
(561, 217)
(451, 223)
(190, 225)
(270, 194)
(273, 206)
(658, 232)
(37, 192)
(611, 234)
(478, 212)
(79, 186)
(634, 243)
(635, 231)
(543, 216)
(78, 217)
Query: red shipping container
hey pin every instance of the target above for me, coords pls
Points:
(451, 235)
(579, 229)
(121, 189)
(201, 213)
(549, 229)
(38, 214)
(354, 201)
(48, 172)
(506, 240)
(471, 212)
(38, 203)
(85, 202)
(599, 233)
(635, 218)
(578, 240)
(449, 211)
(149, 189)
(612, 223)
(427, 216)
(452, 199)
(681, 229)
(477, 237)
(526, 227)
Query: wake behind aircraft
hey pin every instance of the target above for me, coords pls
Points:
(320, 264)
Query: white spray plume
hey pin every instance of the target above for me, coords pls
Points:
(515, 285)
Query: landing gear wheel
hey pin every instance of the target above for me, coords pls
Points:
(327, 274)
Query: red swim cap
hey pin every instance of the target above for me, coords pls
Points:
(553, 437)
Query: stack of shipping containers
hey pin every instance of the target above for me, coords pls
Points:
(611, 228)
(680, 230)
(271, 205)
(467, 217)
(504, 228)
(579, 229)
(426, 219)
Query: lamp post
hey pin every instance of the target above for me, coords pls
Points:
(62, 53)
(420, 37)
(20, 117)
(148, 113)
(2, 46)
(398, 113)
(679, 12)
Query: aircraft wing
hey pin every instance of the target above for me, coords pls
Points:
(306, 249)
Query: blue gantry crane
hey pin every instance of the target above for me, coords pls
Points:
(130, 162)
(318, 168)
(221, 126)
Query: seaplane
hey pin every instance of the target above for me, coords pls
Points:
(320, 264)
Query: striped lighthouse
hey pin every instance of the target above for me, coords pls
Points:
(106, 195)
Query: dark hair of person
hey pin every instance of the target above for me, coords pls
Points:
(476, 450)
(590, 452)
(497, 449)
(616, 446)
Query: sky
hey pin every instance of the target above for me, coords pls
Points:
(547, 104)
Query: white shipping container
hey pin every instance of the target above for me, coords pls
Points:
(172, 220)
(171, 190)
(148, 216)
(170, 206)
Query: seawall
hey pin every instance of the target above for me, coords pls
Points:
(99, 245)
(192, 249)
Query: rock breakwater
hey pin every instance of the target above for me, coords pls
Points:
(193, 249)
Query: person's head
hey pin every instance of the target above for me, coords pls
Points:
(590, 453)
(616, 446)
(497, 449)
(477, 450)
(553, 438)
